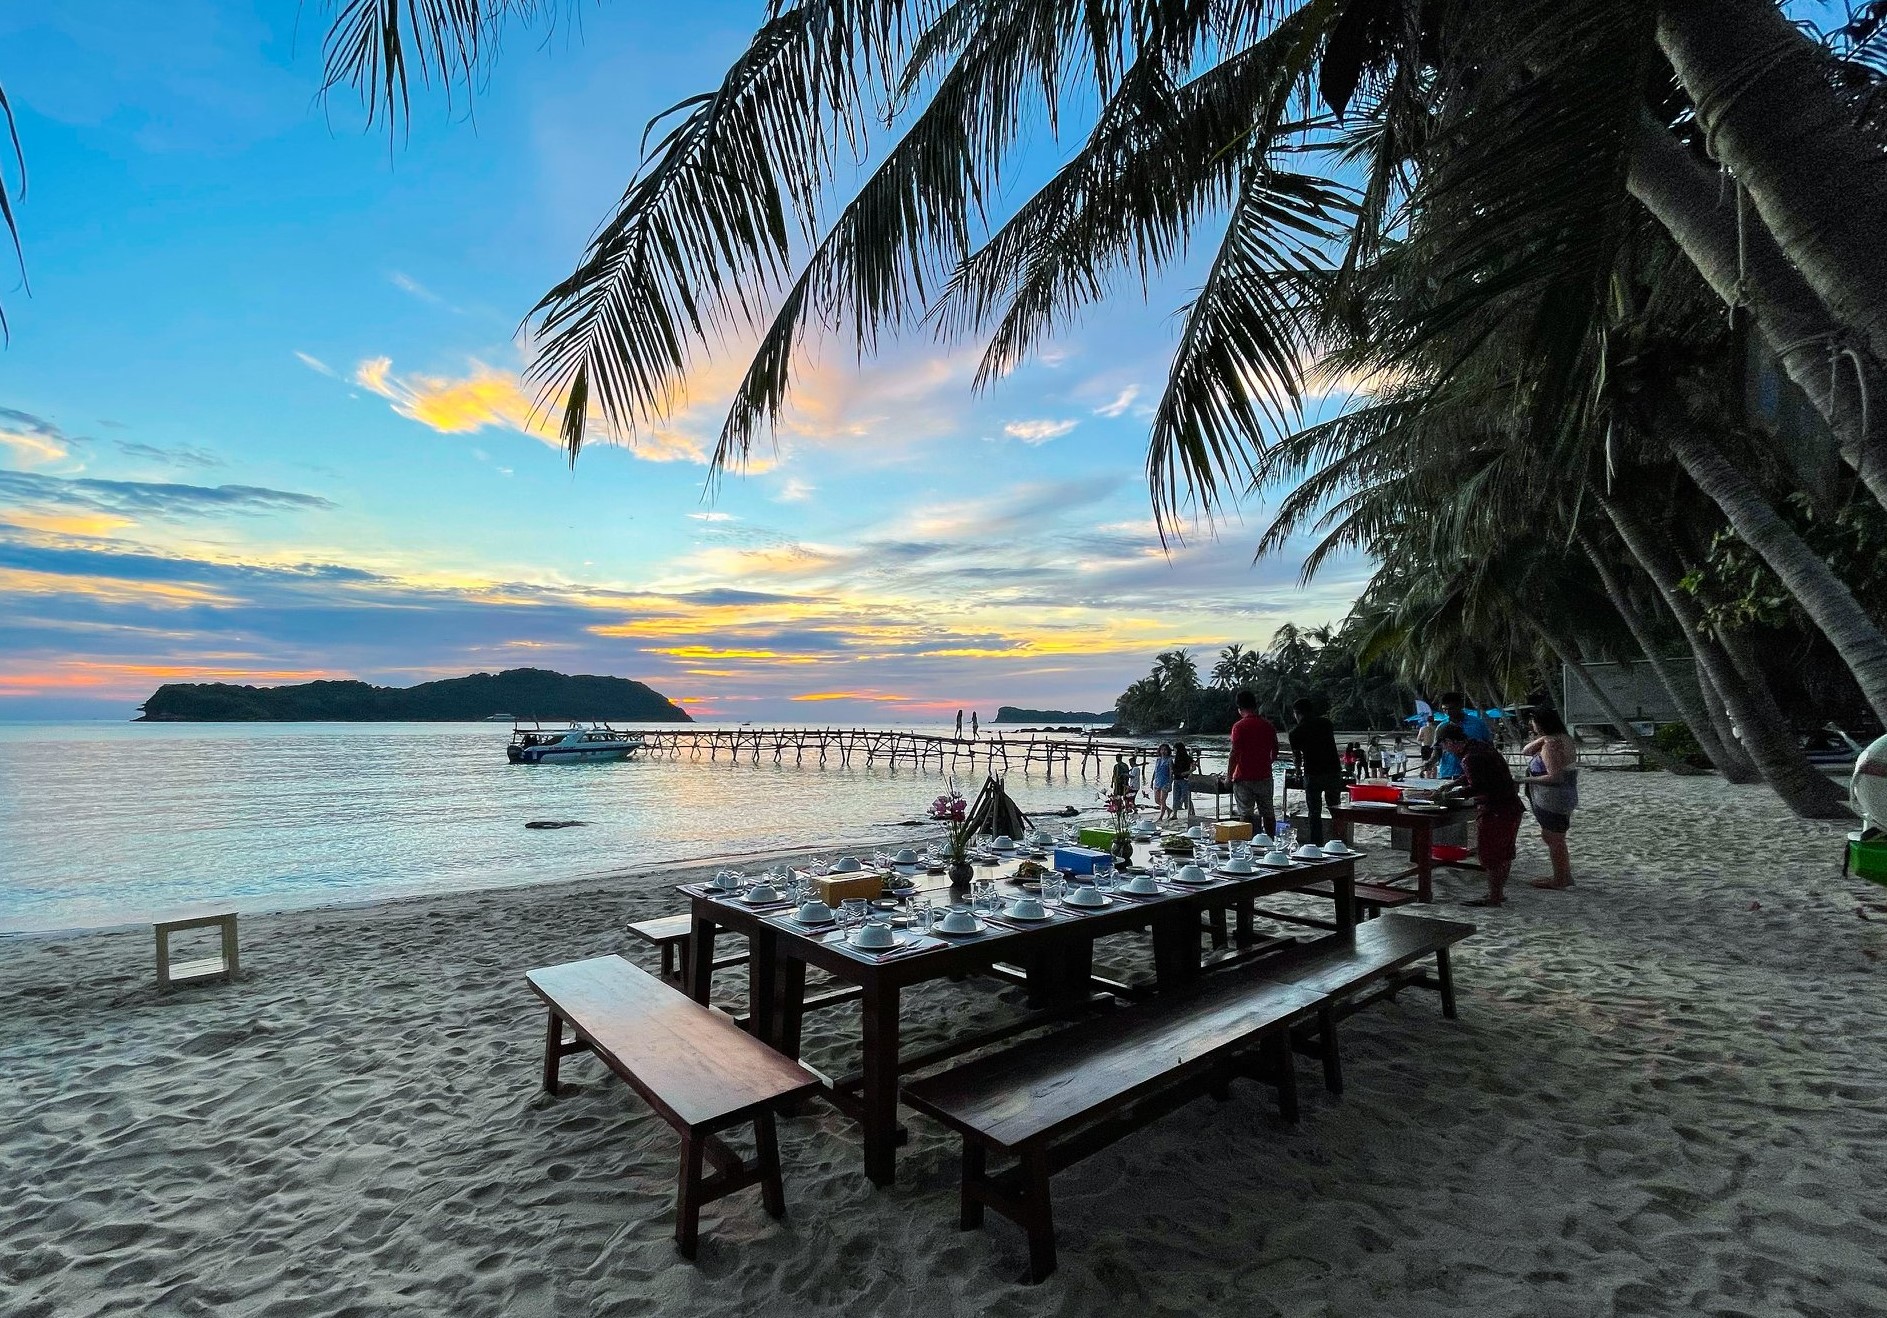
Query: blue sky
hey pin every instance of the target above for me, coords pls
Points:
(261, 417)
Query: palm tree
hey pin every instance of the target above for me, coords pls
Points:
(1225, 671)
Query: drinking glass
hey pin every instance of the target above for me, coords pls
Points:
(983, 895)
(1054, 886)
(852, 912)
(920, 911)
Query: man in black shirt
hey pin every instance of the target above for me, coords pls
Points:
(1314, 748)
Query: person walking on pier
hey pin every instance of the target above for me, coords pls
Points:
(1254, 752)
(1183, 768)
(959, 725)
(972, 723)
(1162, 781)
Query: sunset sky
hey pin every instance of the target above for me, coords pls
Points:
(261, 417)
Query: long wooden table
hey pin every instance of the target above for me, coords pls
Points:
(1057, 956)
(1421, 825)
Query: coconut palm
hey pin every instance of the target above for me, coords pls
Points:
(1225, 673)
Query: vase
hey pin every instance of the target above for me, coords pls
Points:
(961, 872)
(1123, 847)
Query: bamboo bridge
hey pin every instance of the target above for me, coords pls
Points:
(845, 747)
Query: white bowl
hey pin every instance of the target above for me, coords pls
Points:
(905, 856)
(762, 893)
(1086, 894)
(1041, 837)
(1002, 842)
(874, 935)
(1189, 874)
(1336, 847)
(1309, 851)
(1276, 857)
(813, 913)
(959, 920)
(1143, 883)
(845, 865)
(1236, 865)
(1262, 842)
(1196, 832)
(1027, 908)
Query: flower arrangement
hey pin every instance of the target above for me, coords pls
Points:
(1122, 808)
(953, 812)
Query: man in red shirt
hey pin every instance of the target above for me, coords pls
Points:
(1254, 751)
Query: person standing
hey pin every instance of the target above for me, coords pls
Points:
(1552, 784)
(1162, 781)
(972, 723)
(959, 725)
(1254, 751)
(1134, 774)
(1314, 754)
(1117, 781)
(1183, 768)
(1489, 783)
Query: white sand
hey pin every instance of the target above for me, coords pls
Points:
(1664, 1095)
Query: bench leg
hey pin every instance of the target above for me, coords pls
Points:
(688, 1197)
(553, 1052)
(1445, 981)
(1219, 933)
(1041, 1222)
(668, 963)
(1327, 1035)
(1247, 934)
(975, 1163)
(766, 1142)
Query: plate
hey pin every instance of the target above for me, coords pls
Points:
(942, 932)
(1369, 805)
(1237, 874)
(765, 901)
(1029, 919)
(814, 924)
(1101, 905)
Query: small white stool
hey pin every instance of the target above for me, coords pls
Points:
(196, 972)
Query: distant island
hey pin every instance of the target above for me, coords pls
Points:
(1015, 714)
(528, 693)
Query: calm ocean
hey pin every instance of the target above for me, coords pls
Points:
(107, 823)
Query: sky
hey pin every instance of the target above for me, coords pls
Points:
(262, 417)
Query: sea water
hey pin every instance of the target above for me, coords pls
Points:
(112, 823)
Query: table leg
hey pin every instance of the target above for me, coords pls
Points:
(881, 1083)
(761, 956)
(1176, 957)
(701, 958)
(1343, 886)
(789, 1001)
(1422, 853)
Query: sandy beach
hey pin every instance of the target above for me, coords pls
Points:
(1663, 1095)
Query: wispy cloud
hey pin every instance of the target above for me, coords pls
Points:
(407, 284)
(184, 455)
(33, 441)
(317, 365)
(712, 517)
(1122, 401)
(1038, 432)
(486, 396)
(152, 498)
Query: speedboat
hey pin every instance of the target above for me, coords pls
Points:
(572, 746)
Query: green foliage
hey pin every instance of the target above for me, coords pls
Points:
(1675, 740)
(530, 693)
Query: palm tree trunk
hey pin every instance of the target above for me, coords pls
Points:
(1684, 198)
(1715, 708)
(1762, 728)
(1561, 647)
(1734, 765)
(1823, 595)
(1768, 107)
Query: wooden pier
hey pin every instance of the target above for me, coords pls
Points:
(846, 747)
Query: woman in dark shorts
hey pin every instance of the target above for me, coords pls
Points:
(1552, 784)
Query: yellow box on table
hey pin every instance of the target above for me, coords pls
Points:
(835, 888)
(1232, 831)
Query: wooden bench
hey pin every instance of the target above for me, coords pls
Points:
(671, 934)
(1372, 899)
(693, 1065)
(1051, 1102)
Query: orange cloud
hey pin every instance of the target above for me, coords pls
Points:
(851, 695)
(707, 652)
(82, 524)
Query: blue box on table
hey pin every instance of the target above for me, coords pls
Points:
(1080, 860)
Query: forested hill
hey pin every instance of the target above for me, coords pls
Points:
(1013, 714)
(529, 693)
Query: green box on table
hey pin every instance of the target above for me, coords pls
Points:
(1867, 858)
(1101, 839)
